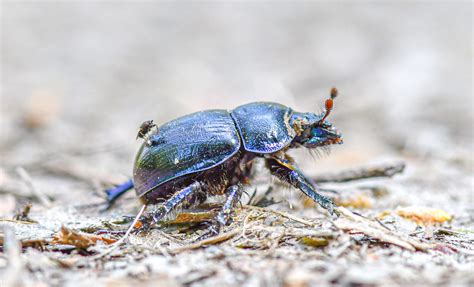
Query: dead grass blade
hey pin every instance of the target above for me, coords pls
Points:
(280, 213)
(209, 241)
(351, 221)
(386, 170)
(121, 240)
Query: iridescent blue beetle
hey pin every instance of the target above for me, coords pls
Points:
(211, 152)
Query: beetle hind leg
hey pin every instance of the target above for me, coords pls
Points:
(116, 192)
(159, 212)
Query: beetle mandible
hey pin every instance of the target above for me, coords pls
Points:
(211, 152)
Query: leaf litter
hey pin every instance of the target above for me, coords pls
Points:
(256, 231)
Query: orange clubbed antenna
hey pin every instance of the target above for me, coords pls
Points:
(329, 104)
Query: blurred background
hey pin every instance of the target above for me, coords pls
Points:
(79, 78)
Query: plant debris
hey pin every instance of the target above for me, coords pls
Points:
(424, 215)
(206, 242)
(314, 241)
(80, 240)
(23, 214)
(193, 217)
(359, 201)
(353, 222)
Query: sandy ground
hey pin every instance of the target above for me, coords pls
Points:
(78, 78)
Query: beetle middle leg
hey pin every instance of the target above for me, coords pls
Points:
(162, 210)
(287, 172)
(234, 194)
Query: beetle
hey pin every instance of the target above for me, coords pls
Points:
(211, 152)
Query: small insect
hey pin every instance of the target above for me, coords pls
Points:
(208, 153)
(145, 128)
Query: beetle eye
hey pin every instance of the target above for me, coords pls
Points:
(307, 132)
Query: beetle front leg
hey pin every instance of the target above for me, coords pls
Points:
(159, 212)
(286, 172)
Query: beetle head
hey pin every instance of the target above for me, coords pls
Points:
(314, 130)
(145, 128)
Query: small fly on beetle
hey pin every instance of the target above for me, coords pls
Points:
(145, 128)
(209, 153)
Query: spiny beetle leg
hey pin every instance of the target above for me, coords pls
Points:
(285, 171)
(149, 219)
(234, 194)
(215, 226)
(213, 229)
(158, 213)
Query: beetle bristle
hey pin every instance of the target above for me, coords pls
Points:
(313, 153)
(325, 150)
(319, 152)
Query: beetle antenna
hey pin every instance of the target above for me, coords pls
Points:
(329, 104)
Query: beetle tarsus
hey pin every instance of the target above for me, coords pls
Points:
(214, 227)
(144, 228)
(223, 217)
(234, 195)
(150, 218)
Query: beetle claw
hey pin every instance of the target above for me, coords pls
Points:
(329, 205)
(146, 223)
(213, 229)
(142, 229)
(150, 219)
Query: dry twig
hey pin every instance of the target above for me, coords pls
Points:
(281, 213)
(12, 275)
(29, 181)
(387, 170)
(16, 221)
(35, 243)
(351, 221)
(121, 240)
(212, 240)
